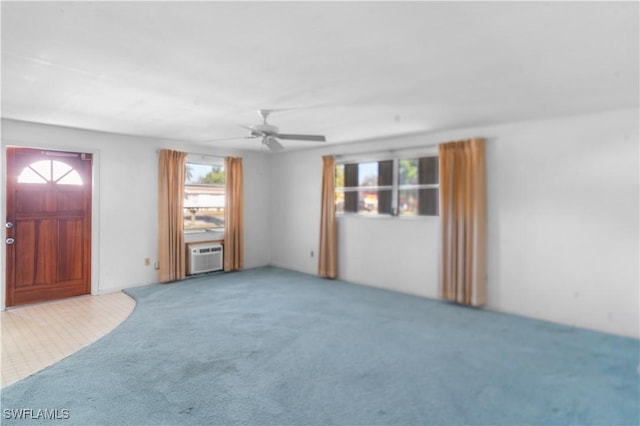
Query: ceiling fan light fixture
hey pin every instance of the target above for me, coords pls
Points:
(266, 128)
(272, 143)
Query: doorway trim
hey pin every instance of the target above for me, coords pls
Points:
(95, 209)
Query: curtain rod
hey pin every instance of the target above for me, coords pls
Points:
(196, 153)
(400, 150)
(388, 151)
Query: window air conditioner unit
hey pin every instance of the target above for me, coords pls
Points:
(204, 258)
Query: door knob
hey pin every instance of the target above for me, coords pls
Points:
(10, 241)
(8, 225)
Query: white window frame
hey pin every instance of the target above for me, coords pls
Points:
(395, 188)
(208, 160)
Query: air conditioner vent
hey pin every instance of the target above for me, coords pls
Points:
(204, 258)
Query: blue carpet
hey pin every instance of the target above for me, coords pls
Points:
(268, 346)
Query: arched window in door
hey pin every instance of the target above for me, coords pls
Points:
(46, 171)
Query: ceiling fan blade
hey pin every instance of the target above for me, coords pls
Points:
(273, 144)
(311, 138)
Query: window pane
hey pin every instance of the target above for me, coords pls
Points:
(203, 218)
(71, 178)
(43, 168)
(351, 201)
(385, 173)
(64, 174)
(408, 202)
(408, 172)
(59, 169)
(368, 174)
(204, 174)
(428, 202)
(384, 201)
(350, 175)
(428, 170)
(339, 175)
(339, 201)
(30, 176)
(418, 202)
(204, 196)
(368, 202)
(203, 207)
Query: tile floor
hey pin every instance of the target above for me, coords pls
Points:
(37, 336)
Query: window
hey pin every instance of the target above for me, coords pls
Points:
(405, 187)
(364, 187)
(204, 195)
(418, 187)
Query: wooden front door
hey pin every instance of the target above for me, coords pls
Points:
(48, 225)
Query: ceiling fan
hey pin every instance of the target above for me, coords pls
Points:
(270, 133)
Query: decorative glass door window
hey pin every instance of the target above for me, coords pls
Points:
(46, 171)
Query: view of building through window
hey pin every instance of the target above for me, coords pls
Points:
(204, 196)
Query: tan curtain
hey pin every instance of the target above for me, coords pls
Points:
(328, 254)
(463, 221)
(171, 251)
(233, 215)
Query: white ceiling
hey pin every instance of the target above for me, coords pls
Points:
(351, 70)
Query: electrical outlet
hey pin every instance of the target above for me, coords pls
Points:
(312, 253)
(147, 261)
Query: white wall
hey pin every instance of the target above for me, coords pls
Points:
(125, 193)
(396, 253)
(377, 251)
(562, 228)
(563, 220)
